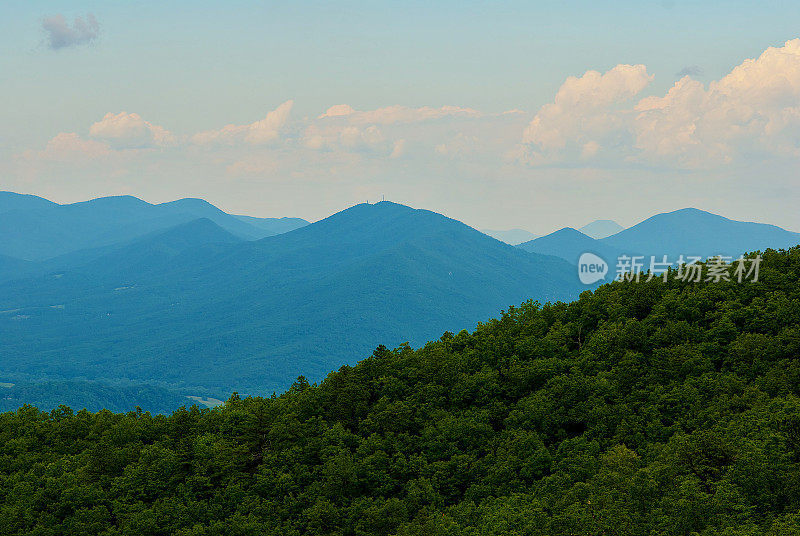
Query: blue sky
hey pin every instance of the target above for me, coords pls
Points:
(191, 67)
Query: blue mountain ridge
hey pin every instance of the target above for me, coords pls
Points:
(35, 229)
(687, 232)
(253, 315)
(184, 305)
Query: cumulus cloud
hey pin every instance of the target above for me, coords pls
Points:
(753, 111)
(397, 114)
(69, 146)
(61, 35)
(383, 132)
(346, 137)
(260, 132)
(129, 130)
(585, 111)
(67, 153)
(338, 110)
(343, 142)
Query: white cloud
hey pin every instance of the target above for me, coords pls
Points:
(70, 147)
(129, 130)
(260, 132)
(66, 155)
(345, 137)
(338, 110)
(584, 111)
(396, 114)
(384, 132)
(61, 35)
(753, 112)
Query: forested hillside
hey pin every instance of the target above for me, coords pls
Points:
(640, 409)
(193, 306)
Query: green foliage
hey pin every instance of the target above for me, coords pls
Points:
(640, 409)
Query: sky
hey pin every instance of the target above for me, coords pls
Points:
(532, 115)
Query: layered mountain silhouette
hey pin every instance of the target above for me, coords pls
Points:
(197, 306)
(35, 229)
(687, 232)
(142, 253)
(601, 228)
(117, 291)
(695, 232)
(275, 225)
(570, 244)
(510, 236)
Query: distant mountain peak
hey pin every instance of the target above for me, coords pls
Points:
(512, 237)
(195, 202)
(601, 228)
(569, 244)
(379, 212)
(691, 231)
(567, 231)
(690, 212)
(112, 201)
(389, 205)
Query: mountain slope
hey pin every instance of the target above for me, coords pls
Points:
(688, 232)
(274, 226)
(569, 244)
(44, 231)
(153, 252)
(145, 250)
(695, 232)
(11, 268)
(14, 201)
(49, 232)
(254, 315)
(200, 208)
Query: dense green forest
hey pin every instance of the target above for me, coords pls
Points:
(640, 409)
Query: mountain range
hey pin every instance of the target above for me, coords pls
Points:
(198, 306)
(688, 232)
(569, 244)
(183, 299)
(696, 232)
(35, 229)
(597, 229)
